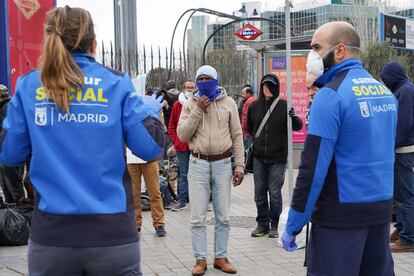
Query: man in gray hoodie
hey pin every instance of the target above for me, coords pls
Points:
(209, 121)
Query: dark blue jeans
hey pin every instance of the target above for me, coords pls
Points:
(404, 196)
(183, 159)
(268, 179)
(165, 190)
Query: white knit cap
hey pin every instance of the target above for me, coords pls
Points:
(207, 70)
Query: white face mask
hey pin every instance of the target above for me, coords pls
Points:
(183, 97)
(314, 64)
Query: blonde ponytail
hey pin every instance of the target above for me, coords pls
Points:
(67, 30)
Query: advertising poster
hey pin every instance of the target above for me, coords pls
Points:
(300, 98)
(26, 29)
(397, 31)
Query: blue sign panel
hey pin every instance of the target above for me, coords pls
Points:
(278, 63)
(4, 45)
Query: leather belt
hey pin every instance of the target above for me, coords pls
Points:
(213, 157)
(406, 149)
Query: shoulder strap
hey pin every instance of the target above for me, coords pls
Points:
(259, 130)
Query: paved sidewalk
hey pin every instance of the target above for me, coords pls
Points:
(172, 255)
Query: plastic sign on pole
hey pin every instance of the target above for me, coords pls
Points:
(26, 19)
(249, 32)
(277, 64)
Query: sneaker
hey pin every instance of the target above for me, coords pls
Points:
(273, 233)
(394, 236)
(160, 231)
(178, 207)
(260, 231)
(399, 247)
(168, 206)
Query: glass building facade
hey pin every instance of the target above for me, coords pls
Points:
(223, 39)
(406, 13)
(198, 31)
(304, 22)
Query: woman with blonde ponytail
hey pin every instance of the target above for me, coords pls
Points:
(72, 118)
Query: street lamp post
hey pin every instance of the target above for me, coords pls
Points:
(203, 10)
(289, 96)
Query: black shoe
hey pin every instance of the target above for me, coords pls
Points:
(260, 231)
(138, 229)
(160, 231)
(273, 233)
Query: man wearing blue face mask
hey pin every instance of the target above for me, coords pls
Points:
(210, 123)
(345, 180)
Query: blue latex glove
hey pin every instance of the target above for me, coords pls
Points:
(155, 103)
(288, 242)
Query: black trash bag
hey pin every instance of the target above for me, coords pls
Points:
(14, 228)
(26, 210)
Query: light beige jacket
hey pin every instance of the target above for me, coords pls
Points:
(214, 131)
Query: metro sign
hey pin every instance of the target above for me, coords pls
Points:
(27, 7)
(249, 32)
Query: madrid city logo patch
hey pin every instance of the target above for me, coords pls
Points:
(364, 109)
(41, 116)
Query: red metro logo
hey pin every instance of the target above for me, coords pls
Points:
(28, 7)
(249, 32)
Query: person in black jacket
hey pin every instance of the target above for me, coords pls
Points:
(270, 154)
(11, 179)
(394, 77)
(171, 96)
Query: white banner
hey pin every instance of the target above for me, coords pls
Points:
(140, 82)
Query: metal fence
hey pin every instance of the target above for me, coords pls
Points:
(232, 65)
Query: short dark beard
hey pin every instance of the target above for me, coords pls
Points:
(329, 60)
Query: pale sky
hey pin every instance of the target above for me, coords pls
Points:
(155, 18)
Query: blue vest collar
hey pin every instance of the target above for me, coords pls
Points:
(326, 77)
(82, 55)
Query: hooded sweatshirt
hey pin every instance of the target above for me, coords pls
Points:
(271, 146)
(214, 131)
(394, 77)
(171, 97)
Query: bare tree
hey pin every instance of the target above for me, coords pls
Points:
(365, 21)
(232, 67)
(376, 55)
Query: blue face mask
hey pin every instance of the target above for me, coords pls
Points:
(208, 88)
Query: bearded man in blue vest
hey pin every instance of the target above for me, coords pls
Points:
(345, 181)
